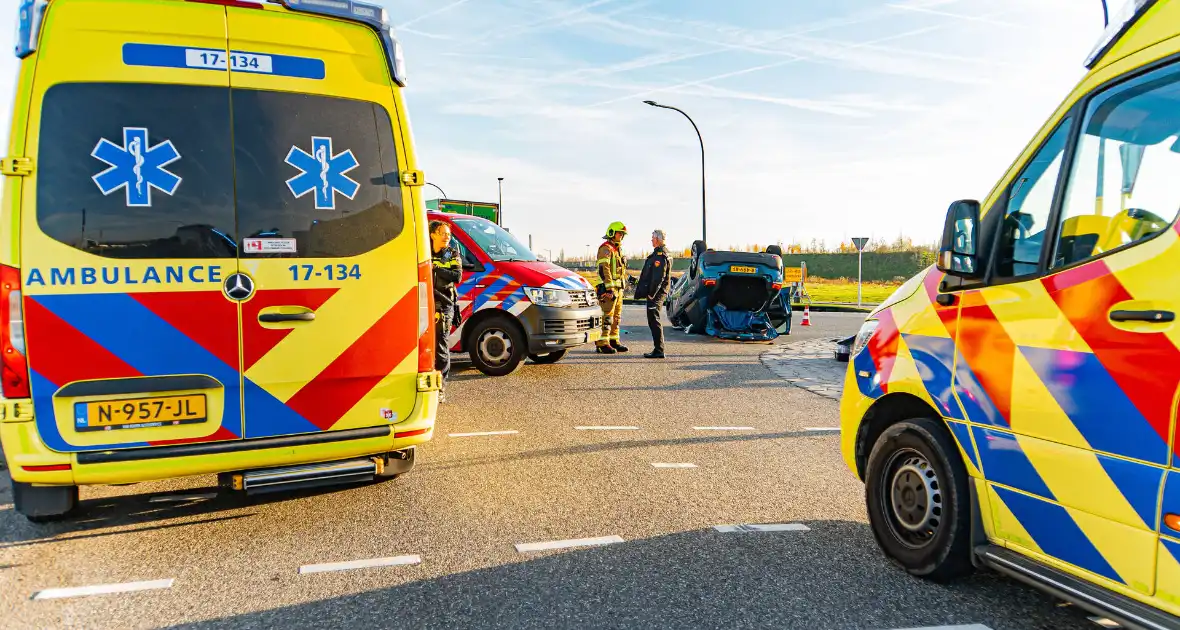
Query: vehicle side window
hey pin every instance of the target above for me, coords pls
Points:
(1030, 201)
(470, 262)
(321, 170)
(1124, 186)
(130, 170)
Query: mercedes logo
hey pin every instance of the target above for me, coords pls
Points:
(239, 287)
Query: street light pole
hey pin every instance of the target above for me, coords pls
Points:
(500, 205)
(702, 141)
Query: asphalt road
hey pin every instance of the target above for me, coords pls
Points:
(235, 563)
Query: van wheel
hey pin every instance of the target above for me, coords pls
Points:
(918, 502)
(44, 504)
(549, 358)
(497, 346)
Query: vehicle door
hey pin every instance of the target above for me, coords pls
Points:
(128, 231)
(1066, 373)
(474, 273)
(329, 331)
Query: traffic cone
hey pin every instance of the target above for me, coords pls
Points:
(806, 315)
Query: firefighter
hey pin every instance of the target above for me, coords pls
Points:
(654, 281)
(611, 270)
(447, 271)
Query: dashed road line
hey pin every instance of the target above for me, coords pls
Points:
(763, 527)
(102, 589)
(673, 465)
(481, 433)
(606, 428)
(566, 544)
(724, 428)
(361, 564)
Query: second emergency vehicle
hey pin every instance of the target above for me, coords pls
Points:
(1015, 407)
(513, 305)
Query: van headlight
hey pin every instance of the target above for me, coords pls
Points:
(862, 338)
(549, 297)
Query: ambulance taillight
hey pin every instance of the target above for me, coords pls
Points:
(425, 318)
(15, 369)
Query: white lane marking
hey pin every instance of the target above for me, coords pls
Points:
(723, 428)
(478, 433)
(821, 428)
(565, 544)
(360, 564)
(180, 498)
(766, 527)
(673, 465)
(102, 589)
(606, 428)
(973, 626)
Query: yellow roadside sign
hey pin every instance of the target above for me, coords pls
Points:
(792, 274)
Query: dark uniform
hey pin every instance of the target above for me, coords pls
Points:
(654, 281)
(448, 272)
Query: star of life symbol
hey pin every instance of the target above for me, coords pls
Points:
(322, 173)
(136, 167)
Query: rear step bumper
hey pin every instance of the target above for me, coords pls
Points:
(307, 476)
(1117, 607)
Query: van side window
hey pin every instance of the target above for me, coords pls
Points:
(321, 170)
(1030, 201)
(1124, 186)
(127, 170)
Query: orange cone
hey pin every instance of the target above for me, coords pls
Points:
(806, 315)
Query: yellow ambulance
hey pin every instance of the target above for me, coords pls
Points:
(1014, 407)
(213, 253)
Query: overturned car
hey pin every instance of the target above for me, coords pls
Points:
(732, 295)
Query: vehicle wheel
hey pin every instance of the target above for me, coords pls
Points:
(918, 502)
(549, 358)
(497, 346)
(44, 504)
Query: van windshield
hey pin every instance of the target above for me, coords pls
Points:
(498, 244)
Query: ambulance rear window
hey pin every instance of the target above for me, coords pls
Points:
(137, 170)
(321, 170)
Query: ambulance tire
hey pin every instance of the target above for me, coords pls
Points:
(44, 504)
(502, 329)
(918, 501)
(547, 358)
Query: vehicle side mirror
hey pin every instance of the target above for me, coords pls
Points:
(958, 254)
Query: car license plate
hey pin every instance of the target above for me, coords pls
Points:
(592, 336)
(136, 413)
(740, 269)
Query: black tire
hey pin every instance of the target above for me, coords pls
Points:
(44, 504)
(918, 501)
(549, 358)
(497, 346)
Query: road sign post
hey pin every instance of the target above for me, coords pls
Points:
(860, 248)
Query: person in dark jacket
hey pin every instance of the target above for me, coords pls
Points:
(653, 284)
(447, 271)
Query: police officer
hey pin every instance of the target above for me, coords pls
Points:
(447, 271)
(654, 281)
(612, 267)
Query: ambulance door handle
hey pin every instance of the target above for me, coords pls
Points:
(274, 318)
(1142, 316)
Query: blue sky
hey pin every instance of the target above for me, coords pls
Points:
(822, 119)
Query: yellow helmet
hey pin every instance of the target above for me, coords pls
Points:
(615, 228)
